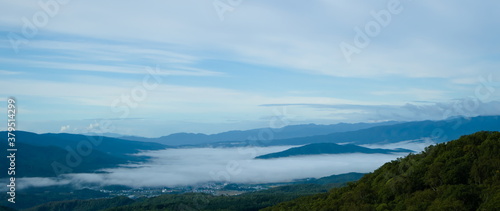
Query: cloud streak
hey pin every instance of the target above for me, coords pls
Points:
(263, 53)
(416, 111)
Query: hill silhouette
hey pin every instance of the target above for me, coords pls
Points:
(328, 148)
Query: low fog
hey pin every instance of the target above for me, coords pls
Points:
(416, 145)
(192, 166)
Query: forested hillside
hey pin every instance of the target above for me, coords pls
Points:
(458, 175)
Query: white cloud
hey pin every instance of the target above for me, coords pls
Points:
(417, 94)
(6, 72)
(40, 182)
(177, 167)
(92, 126)
(86, 62)
(167, 98)
(277, 34)
(416, 145)
(64, 128)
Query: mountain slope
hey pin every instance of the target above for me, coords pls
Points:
(112, 146)
(34, 196)
(198, 201)
(438, 131)
(48, 155)
(244, 202)
(459, 175)
(84, 205)
(328, 148)
(291, 131)
(38, 161)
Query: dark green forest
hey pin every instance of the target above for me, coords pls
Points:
(458, 175)
(247, 201)
(81, 200)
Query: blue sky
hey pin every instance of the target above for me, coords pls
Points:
(263, 60)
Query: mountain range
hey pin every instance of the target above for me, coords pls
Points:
(291, 131)
(463, 174)
(393, 132)
(106, 152)
(438, 131)
(47, 155)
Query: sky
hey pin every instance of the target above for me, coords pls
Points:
(159, 67)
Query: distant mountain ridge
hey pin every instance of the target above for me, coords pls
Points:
(291, 131)
(47, 155)
(328, 148)
(38, 161)
(438, 131)
(358, 133)
(119, 150)
(113, 146)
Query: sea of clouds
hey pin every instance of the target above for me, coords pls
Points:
(193, 166)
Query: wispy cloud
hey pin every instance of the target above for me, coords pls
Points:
(64, 128)
(410, 111)
(6, 72)
(264, 53)
(417, 94)
(256, 35)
